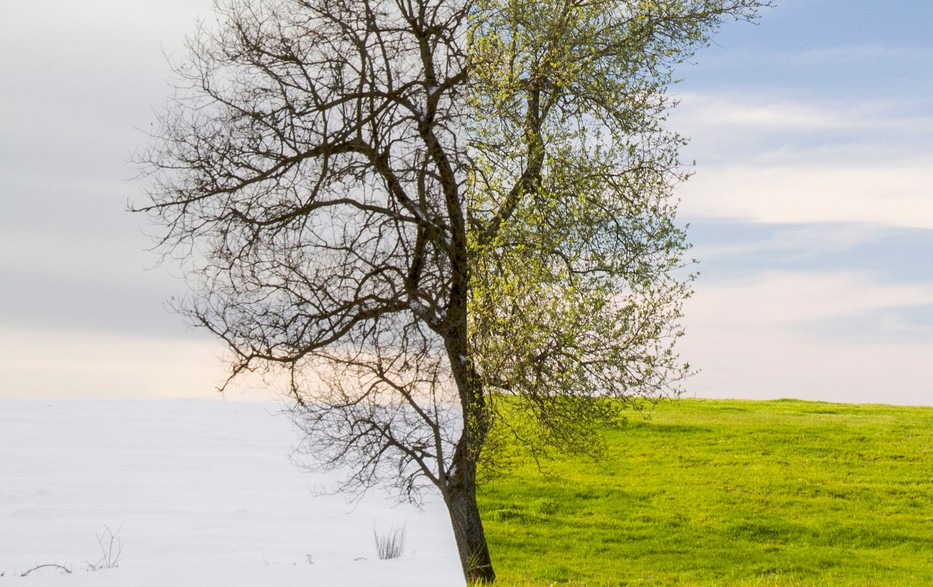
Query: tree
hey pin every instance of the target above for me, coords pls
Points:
(450, 223)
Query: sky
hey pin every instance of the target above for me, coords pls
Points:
(810, 207)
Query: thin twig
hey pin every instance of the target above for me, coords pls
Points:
(57, 566)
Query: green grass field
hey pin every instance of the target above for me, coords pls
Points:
(728, 493)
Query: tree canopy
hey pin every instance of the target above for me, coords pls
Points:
(574, 291)
(450, 223)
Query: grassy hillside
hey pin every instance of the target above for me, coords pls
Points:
(728, 493)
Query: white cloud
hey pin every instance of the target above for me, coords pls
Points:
(751, 363)
(88, 18)
(891, 195)
(799, 241)
(700, 114)
(768, 159)
(59, 364)
(787, 299)
(750, 338)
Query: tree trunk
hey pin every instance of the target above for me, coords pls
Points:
(468, 527)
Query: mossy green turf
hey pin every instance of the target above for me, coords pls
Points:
(711, 492)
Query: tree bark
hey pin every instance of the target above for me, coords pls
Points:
(467, 524)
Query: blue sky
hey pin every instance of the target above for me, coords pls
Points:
(811, 205)
(811, 208)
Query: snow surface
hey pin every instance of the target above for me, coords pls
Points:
(199, 493)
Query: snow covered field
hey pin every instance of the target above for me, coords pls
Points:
(199, 493)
